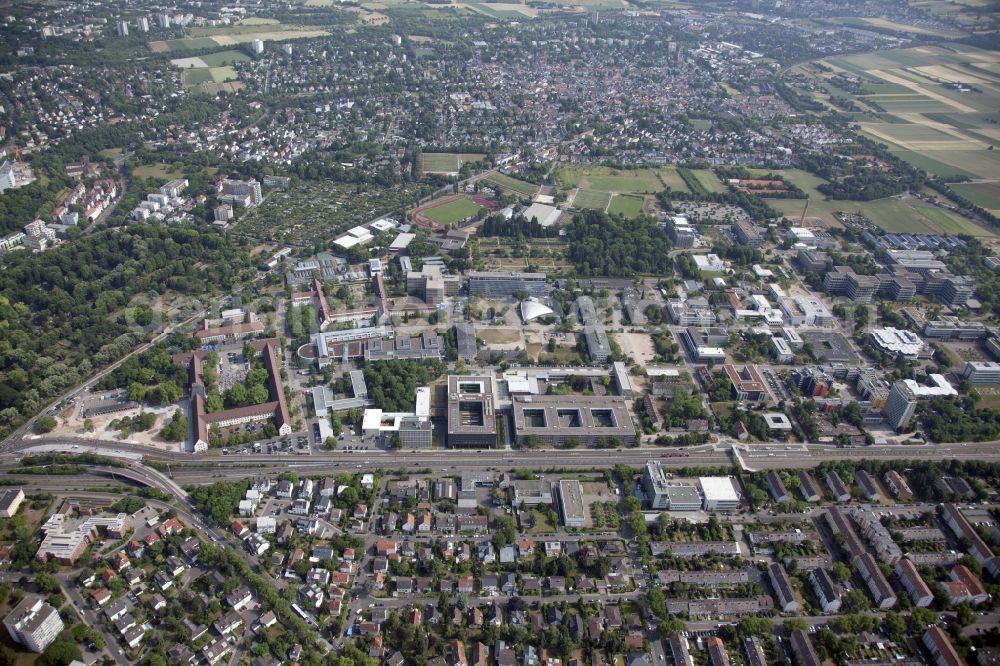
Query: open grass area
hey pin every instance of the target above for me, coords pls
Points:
(157, 170)
(626, 205)
(915, 216)
(451, 212)
(592, 199)
(514, 185)
(448, 162)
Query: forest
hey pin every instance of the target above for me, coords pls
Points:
(61, 311)
(609, 245)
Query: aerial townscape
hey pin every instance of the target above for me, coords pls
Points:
(500, 333)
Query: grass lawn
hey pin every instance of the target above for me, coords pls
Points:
(986, 195)
(111, 153)
(190, 44)
(224, 58)
(521, 187)
(592, 199)
(626, 205)
(451, 212)
(157, 170)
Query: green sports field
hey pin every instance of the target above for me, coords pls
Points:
(626, 205)
(447, 162)
(451, 212)
(592, 199)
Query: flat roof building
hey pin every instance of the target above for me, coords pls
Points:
(471, 416)
(33, 623)
(719, 493)
(654, 485)
(555, 419)
(571, 503)
(499, 285)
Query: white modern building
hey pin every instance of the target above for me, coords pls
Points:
(719, 493)
(34, 624)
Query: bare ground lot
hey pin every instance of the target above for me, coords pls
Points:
(639, 346)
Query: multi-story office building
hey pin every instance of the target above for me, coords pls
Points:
(655, 485)
(748, 385)
(747, 233)
(505, 285)
(982, 373)
(900, 405)
(471, 415)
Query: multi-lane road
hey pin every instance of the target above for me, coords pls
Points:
(188, 468)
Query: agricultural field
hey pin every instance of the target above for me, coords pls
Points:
(242, 33)
(628, 206)
(591, 199)
(933, 106)
(451, 212)
(447, 162)
(223, 58)
(709, 180)
(502, 10)
(915, 216)
(514, 185)
(985, 195)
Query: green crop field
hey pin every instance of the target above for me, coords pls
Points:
(626, 205)
(520, 187)
(915, 216)
(451, 212)
(224, 58)
(929, 164)
(985, 195)
(190, 44)
(592, 199)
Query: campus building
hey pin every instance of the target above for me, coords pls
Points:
(505, 285)
(471, 414)
(556, 419)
